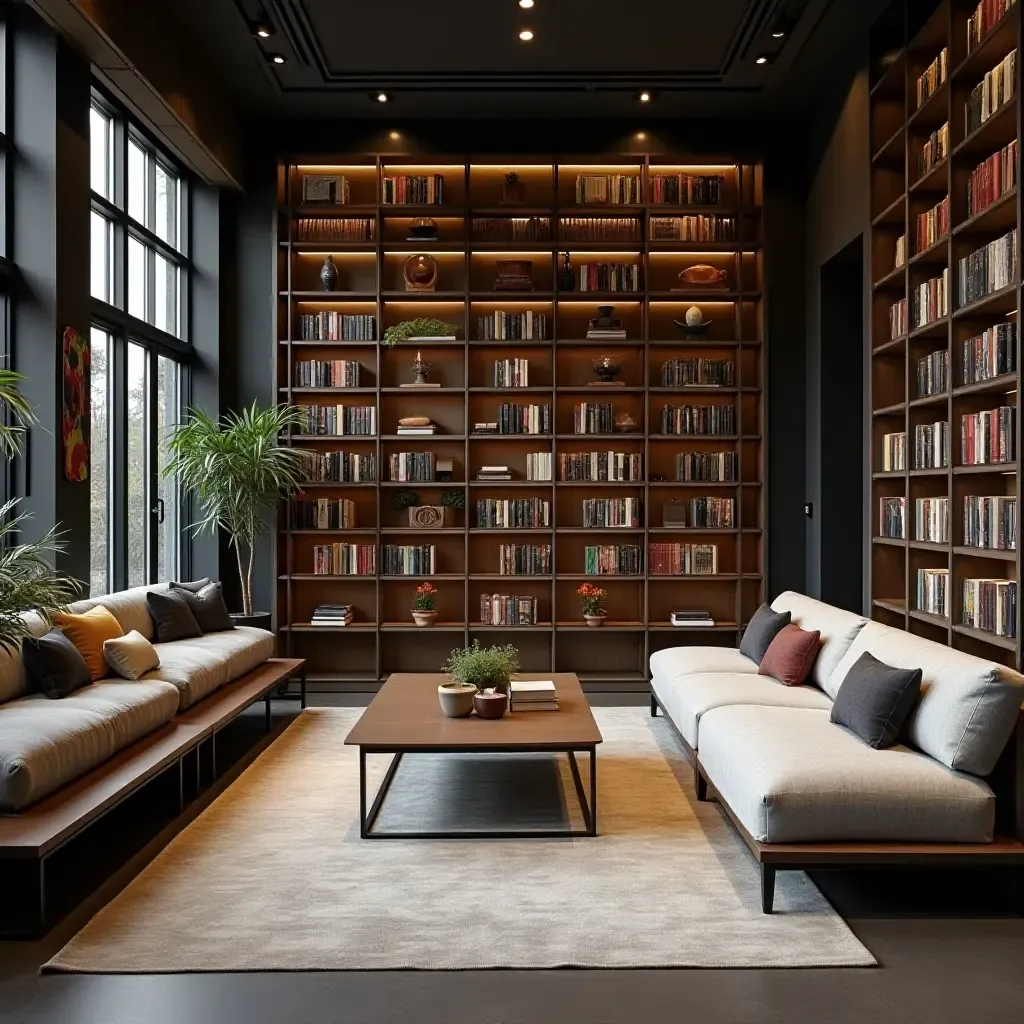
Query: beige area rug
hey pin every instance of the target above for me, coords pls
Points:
(274, 877)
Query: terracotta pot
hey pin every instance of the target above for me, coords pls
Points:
(456, 699)
(490, 705)
(594, 620)
(423, 618)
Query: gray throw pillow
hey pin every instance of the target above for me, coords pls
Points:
(875, 700)
(209, 609)
(764, 624)
(55, 664)
(194, 587)
(172, 616)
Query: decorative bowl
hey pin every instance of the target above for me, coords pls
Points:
(607, 367)
(423, 229)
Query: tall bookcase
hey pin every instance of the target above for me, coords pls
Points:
(382, 638)
(904, 44)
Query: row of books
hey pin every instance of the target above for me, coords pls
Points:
(615, 189)
(508, 610)
(987, 269)
(413, 189)
(700, 189)
(933, 374)
(680, 372)
(931, 520)
(892, 517)
(703, 513)
(995, 89)
(326, 373)
(538, 466)
(931, 445)
(610, 512)
(698, 419)
(600, 466)
(524, 560)
(608, 277)
(339, 467)
(900, 252)
(709, 467)
(991, 604)
(511, 229)
(992, 178)
(987, 437)
(898, 319)
(934, 150)
(323, 514)
(932, 591)
(344, 559)
(894, 451)
(332, 615)
(329, 325)
(930, 299)
(593, 418)
(408, 559)
(411, 467)
(502, 326)
(932, 225)
(523, 419)
(984, 19)
(696, 228)
(338, 420)
(991, 353)
(932, 77)
(599, 229)
(335, 229)
(683, 559)
(612, 560)
(513, 513)
(511, 373)
(990, 522)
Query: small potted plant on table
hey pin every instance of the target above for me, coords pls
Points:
(424, 611)
(488, 670)
(593, 603)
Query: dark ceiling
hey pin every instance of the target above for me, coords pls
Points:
(463, 58)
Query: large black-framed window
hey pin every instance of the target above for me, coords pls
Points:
(7, 486)
(140, 273)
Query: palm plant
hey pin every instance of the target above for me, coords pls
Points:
(21, 411)
(238, 472)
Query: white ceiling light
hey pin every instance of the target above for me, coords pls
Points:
(526, 35)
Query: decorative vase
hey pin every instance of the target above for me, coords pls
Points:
(423, 618)
(567, 282)
(423, 229)
(490, 705)
(329, 275)
(513, 191)
(514, 276)
(605, 321)
(420, 273)
(607, 368)
(456, 699)
(701, 276)
(595, 620)
(694, 326)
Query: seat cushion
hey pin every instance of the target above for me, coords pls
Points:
(968, 706)
(673, 662)
(836, 626)
(686, 699)
(791, 776)
(200, 665)
(47, 743)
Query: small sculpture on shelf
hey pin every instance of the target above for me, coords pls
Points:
(422, 229)
(604, 325)
(624, 423)
(424, 605)
(420, 273)
(701, 277)
(421, 371)
(567, 280)
(607, 368)
(329, 275)
(694, 326)
(593, 603)
(513, 191)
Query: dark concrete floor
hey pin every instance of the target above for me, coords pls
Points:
(948, 950)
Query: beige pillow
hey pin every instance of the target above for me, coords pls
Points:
(131, 656)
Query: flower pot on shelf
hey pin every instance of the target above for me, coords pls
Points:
(595, 620)
(456, 699)
(490, 705)
(423, 618)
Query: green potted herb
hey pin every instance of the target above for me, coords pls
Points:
(422, 327)
(490, 670)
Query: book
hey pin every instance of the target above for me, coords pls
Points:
(533, 695)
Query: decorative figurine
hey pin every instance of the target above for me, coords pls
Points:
(420, 273)
(567, 282)
(694, 326)
(329, 275)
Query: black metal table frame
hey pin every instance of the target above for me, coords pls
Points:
(367, 819)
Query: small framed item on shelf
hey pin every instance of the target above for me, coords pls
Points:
(325, 188)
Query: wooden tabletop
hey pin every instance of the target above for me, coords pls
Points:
(406, 715)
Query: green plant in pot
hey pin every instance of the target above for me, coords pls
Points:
(421, 327)
(489, 670)
(238, 473)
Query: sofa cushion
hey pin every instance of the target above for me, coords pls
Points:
(791, 776)
(968, 706)
(763, 627)
(199, 666)
(686, 698)
(790, 656)
(673, 662)
(87, 631)
(172, 617)
(875, 699)
(45, 744)
(130, 656)
(836, 626)
(55, 664)
(127, 606)
(14, 680)
(193, 587)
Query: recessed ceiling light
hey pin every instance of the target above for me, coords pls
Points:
(263, 29)
(394, 135)
(782, 28)
(277, 58)
(765, 58)
(382, 97)
(526, 35)
(644, 97)
(527, 4)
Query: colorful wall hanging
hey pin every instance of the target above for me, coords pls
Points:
(75, 405)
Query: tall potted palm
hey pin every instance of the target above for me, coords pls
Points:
(238, 472)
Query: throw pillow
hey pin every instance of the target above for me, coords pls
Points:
(172, 616)
(131, 656)
(761, 631)
(791, 655)
(54, 664)
(193, 587)
(875, 699)
(209, 608)
(87, 632)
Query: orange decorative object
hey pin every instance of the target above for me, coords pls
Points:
(75, 405)
(701, 275)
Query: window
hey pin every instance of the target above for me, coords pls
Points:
(140, 274)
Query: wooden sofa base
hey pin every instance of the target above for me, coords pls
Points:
(183, 749)
(1003, 852)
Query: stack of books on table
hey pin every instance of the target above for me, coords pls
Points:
(533, 695)
(424, 431)
(494, 473)
(332, 615)
(691, 619)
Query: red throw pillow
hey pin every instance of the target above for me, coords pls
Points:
(790, 655)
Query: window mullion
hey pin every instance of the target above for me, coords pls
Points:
(119, 461)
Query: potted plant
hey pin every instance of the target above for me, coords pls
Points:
(238, 473)
(423, 605)
(422, 327)
(593, 603)
(452, 500)
(512, 190)
(489, 670)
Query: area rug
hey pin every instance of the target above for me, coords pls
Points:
(274, 877)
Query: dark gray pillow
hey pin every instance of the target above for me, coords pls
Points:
(172, 616)
(192, 588)
(209, 609)
(761, 630)
(875, 699)
(55, 664)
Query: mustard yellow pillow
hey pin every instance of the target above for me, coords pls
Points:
(87, 632)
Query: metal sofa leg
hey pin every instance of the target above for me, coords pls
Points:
(767, 887)
(700, 784)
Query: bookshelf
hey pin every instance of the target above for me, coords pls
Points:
(382, 637)
(905, 43)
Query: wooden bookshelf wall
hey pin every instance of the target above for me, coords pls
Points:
(383, 638)
(904, 44)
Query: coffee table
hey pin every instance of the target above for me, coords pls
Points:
(405, 717)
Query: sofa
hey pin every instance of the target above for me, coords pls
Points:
(803, 791)
(46, 743)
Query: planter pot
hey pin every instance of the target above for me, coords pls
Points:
(490, 705)
(513, 192)
(429, 517)
(425, 619)
(456, 699)
(594, 620)
(262, 620)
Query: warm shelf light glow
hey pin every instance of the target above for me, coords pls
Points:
(369, 168)
(394, 135)
(526, 35)
(526, 4)
(337, 255)
(692, 167)
(644, 97)
(382, 97)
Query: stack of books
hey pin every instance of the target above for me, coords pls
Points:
(533, 695)
(691, 619)
(490, 427)
(494, 473)
(332, 615)
(424, 431)
(606, 332)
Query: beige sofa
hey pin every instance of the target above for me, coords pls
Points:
(46, 743)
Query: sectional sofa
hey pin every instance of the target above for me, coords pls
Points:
(804, 792)
(46, 743)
